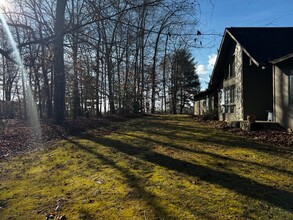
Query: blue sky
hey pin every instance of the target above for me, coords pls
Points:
(216, 15)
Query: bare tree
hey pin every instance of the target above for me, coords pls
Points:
(122, 46)
(59, 73)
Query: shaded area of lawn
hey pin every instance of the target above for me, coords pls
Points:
(232, 181)
(156, 167)
(132, 180)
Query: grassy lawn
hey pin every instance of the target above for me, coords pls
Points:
(156, 167)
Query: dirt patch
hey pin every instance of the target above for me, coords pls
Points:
(16, 136)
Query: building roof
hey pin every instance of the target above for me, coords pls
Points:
(203, 94)
(263, 45)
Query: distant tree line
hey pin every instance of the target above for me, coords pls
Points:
(89, 57)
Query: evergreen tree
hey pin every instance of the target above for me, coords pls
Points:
(184, 80)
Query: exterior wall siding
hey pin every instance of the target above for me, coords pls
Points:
(198, 107)
(204, 106)
(283, 111)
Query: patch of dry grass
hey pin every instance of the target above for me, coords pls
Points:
(156, 167)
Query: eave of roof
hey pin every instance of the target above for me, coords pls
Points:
(203, 94)
(243, 48)
(218, 58)
(281, 59)
(264, 46)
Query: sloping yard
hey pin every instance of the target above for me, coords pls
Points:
(155, 167)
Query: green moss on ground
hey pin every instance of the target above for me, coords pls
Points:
(156, 167)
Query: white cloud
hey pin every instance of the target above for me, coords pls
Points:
(207, 69)
(204, 71)
(201, 70)
(212, 61)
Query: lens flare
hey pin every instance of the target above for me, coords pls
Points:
(30, 102)
(3, 3)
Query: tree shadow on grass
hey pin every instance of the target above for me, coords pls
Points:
(247, 187)
(216, 156)
(132, 180)
(208, 135)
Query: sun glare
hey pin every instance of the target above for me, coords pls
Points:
(3, 3)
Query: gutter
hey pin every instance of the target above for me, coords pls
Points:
(283, 58)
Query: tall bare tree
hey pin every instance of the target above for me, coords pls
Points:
(59, 71)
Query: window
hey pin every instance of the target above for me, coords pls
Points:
(291, 89)
(232, 71)
(229, 98)
(229, 69)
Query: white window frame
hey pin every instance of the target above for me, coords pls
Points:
(230, 98)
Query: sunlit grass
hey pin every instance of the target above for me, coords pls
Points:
(159, 167)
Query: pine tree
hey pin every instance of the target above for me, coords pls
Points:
(184, 80)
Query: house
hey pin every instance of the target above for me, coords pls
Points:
(203, 103)
(283, 90)
(253, 75)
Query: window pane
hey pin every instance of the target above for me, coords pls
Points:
(232, 94)
(232, 66)
(229, 94)
(232, 108)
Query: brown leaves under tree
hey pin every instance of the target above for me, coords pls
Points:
(16, 136)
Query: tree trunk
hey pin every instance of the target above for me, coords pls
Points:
(153, 76)
(75, 96)
(110, 85)
(174, 87)
(164, 76)
(125, 89)
(98, 111)
(59, 74)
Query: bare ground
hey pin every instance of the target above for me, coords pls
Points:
(16, 136)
